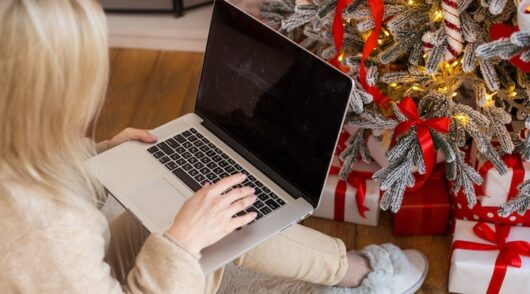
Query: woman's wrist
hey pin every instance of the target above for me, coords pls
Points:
(185, 241)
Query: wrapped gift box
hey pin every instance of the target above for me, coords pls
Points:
(485, 213)
(341, 200)
(486, 257)
(426, 211)
(498, 189)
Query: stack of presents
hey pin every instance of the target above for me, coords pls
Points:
(490, 253)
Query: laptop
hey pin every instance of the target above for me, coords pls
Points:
(265, 107)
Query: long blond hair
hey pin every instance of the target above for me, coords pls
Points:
(54, 72)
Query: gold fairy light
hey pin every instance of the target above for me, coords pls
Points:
(454, 94)
(438, 15)
(393, 85)
(489, 99)
(385, 32)
(461, 118)
(513, 94)
(411, 2)
(341, 56)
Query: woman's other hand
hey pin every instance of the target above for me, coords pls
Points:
(207, 216)
(131, 134)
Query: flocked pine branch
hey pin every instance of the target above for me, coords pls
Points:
(520, 203)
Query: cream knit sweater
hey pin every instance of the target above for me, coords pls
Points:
(47, 246)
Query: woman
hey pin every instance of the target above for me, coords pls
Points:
(54, 65)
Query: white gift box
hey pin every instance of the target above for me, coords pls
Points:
(471, 270)
(326, 208)
(496, 187)
(379, 148)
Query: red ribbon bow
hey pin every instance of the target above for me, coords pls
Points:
(441, 124)
(377, 7)
(358, 180)
(509, 252)
(512, 161)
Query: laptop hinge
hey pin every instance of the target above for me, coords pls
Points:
(264, 168)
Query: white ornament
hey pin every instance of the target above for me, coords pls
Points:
(523, 17)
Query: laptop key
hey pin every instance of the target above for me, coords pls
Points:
(187, 145)
(192, 160)
(252, 178)
(223, 175)
(193, 130)
(153, 149)
(164, 147)
(158, 154)
(199, 178)
(211, 165)
(217, 158)
(231, 161)
(186, 134)
(230, 169)
(258, 184)
(210, 153)
(260, 215)
(265, 210)
(198, 143)
(198, 165)
(181, 161)
(262, 196)
(174, 156)
(189, 181)
(266, 190)
(199, 155)
(192, 139)
(205, 160)
(224, 156)
(223, 163)
(193, 172)
(179, 138)
(199, 135)
(272, 204)
(172, 143)
(171, 165)
(164, 159)
(180, 150)
(258, 204)
(204, 148)
(280, 201)
(186, 155)
(204, 170)
(211, 176)
(193, 149)
(218, 170)
(187, 167)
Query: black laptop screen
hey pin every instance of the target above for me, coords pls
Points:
(281, 103)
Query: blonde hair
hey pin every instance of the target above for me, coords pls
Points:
(54, 66)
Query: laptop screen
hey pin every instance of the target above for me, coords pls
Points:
(279, 102)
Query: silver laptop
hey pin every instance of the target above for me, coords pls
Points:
(265, 107)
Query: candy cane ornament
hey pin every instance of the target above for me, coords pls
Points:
(453, 29)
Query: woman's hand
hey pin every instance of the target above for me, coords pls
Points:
(131, 134)
(207, 216)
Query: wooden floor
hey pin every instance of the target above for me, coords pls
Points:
(149, 88)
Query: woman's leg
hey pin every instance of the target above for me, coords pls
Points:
(300, 253)
(127, 238)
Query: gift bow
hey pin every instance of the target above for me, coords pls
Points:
(509, 252)
(358, 180)
(441, 124)
(512, 161)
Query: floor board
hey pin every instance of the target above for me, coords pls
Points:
(149, 88)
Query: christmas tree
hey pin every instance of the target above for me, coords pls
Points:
(437, 74)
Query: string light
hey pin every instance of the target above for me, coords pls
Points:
(410, 2)
(385, 32)
(461, 118)
(417, 88)
(513, 94)
(393, 85)
(379, 41)
(341, 56)
(438, 15)
(455, 63)
(489, 99)
(454, 94)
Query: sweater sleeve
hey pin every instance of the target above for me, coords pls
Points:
(71, 260)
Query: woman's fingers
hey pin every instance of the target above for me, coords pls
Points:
(225, 183)
(241, 204)
(140, 135)
(237, 194)
(242, 220)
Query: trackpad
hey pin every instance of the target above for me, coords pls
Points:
(159, 201)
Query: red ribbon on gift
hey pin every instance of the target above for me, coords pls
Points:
(509, 252)
(338, 34)
(440, 124)
(377, 8)
(512, 161)
(358, 180)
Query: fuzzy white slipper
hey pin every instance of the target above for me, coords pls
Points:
(393, 271)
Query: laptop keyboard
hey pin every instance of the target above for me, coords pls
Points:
(196, 161)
